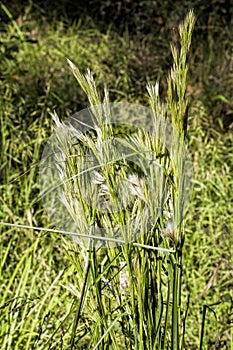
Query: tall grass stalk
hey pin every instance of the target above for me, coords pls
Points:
(145, 313)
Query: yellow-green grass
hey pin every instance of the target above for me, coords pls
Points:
(39, 271)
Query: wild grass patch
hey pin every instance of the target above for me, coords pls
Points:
(45, 287)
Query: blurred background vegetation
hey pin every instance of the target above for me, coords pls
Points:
(125, 44)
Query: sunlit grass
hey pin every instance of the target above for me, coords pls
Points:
(34, 268)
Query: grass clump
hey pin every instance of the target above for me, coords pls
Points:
(148, 313)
